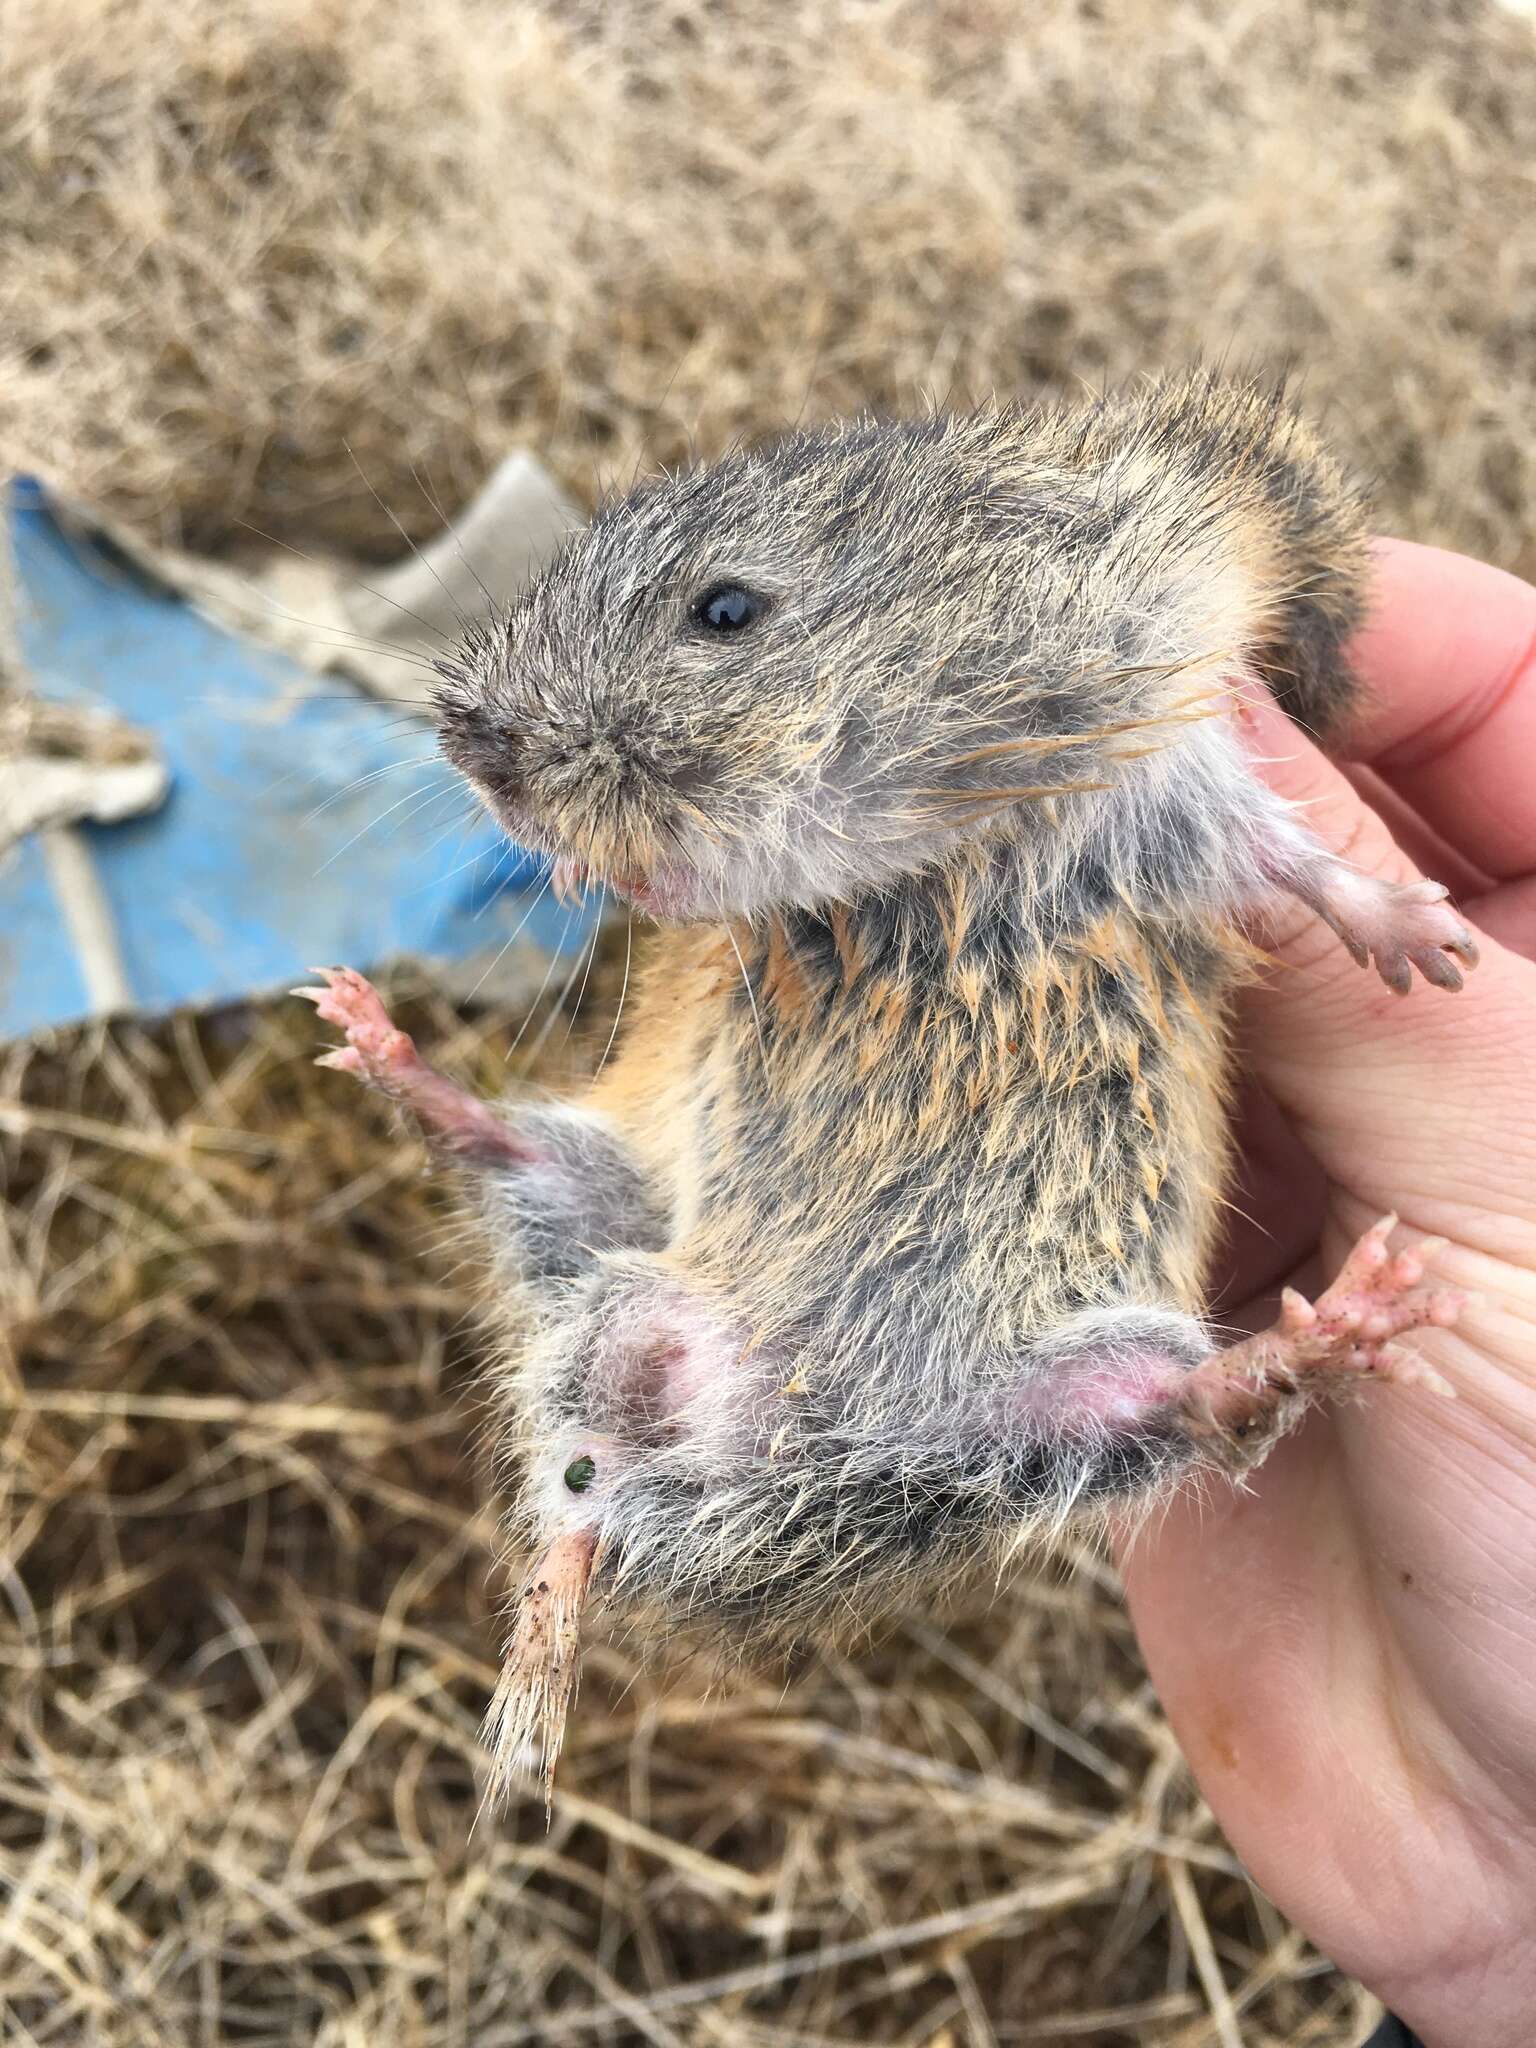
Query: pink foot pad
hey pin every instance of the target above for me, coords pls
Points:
(1400, 926)
(1240, 1401)
(387, 1059)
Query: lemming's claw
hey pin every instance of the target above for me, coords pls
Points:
(345, 1059)
(375, 1050)
(384, 1057)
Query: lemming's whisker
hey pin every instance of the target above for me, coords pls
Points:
(442, 790)
(511, 846)
(496, 855)
(559, 1003)
(343, 640)
(557, 1008)
(275, 540)
(405, 654)
(301, 772)
(507, 945)
(361, 782)
(427, 801)
(364, 699)
(746, 981)
(629, 941)
(581, 993)
(453, 533)
(458, 609)
(322, 626)
(554, 962)
(461, 824)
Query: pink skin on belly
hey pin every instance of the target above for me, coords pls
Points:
(1231, 1406)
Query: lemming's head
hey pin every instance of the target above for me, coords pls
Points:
(809, 669)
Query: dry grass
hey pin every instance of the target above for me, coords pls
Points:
(249, 1627)
(247, 1593)
(241, 237)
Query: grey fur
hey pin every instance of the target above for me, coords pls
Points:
(545, 1224)
(912, 1201)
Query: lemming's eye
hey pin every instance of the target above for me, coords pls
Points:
(727, 608)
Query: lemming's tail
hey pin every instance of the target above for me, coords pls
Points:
(525, 1725)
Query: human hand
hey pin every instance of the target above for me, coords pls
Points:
(1347, 1648)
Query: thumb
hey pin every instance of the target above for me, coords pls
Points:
(1387, 1092)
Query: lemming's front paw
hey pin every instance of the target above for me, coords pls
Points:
(375, 1050)
(1399, 925)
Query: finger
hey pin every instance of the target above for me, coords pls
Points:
(1384, 1090)
(1274, 1205)
(1508, 915)
(1431, 852)
(1448, 661)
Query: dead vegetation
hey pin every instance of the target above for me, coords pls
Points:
(260, 255)
(250, 1626)
(258, 261)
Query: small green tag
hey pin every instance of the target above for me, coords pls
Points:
(580, 1473)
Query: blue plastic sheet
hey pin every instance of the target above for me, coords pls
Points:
(307, 822)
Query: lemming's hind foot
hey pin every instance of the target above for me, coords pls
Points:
(1399, 925)
(386, 1058)
(1240, 1401)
